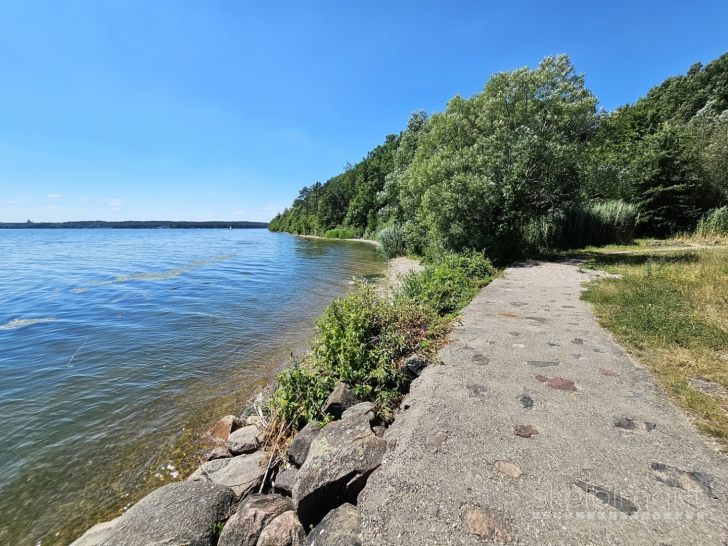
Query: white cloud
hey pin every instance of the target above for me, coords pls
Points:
(50, 207)
(238, 212)
(10, 202)
(55, 195)
(113, 202)
(84, 198)
(13, 207)
(115, 208)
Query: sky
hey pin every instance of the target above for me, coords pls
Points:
(225, 109)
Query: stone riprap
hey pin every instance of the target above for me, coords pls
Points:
(243, 474)
(340, 527)
(614, 462)
(178, 514)
(252, 516)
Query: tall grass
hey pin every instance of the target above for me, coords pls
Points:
(341, 233)
(713, 224)
(593, 224)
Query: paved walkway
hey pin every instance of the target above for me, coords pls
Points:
(612, 459)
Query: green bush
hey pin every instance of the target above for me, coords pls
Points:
(341, 233)
(713, 224)
(599, 224)
(392, 239)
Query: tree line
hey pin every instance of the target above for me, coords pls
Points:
(530, 164)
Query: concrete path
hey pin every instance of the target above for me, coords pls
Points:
(613, 462)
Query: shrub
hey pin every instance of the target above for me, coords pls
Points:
(392, 239)
(599, 224)
(713, 224)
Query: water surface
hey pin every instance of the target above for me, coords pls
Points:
(119, 348)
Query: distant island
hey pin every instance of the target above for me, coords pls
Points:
(152, 224)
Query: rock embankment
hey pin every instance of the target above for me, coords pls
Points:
(236, 499)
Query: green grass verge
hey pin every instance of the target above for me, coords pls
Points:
(670, 309)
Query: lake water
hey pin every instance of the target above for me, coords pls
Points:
(119, 348)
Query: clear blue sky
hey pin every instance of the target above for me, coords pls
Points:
(223, 109)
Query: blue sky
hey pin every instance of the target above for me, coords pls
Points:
(223, 110)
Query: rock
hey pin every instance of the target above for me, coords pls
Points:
(526, 401)
(339, 462)
(413, 366)
(254, 513)
(253, 420)
(244, 440)
(339, 400)
(181, 513)
(284, 482)
(608, 373)
(379, 430)
(488, 524)
(363, 407)
(525, 431)
(285, 530)
(95, 535)
(298, 450)
(219, 453)
(242, 474)
(509, 469)
(340, 527)
(224, 427)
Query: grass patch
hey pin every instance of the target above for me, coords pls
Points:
(363, 338)
(341, 233)
(670, 309)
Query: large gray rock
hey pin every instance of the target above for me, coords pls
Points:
(178, 514)
(340, 527)
(285, 481)
(96, 534)
(243, 474)
(254, 513)
(362, 407)
(244, 440)
(339, 462)
(285, 530)
(224, 427)
(341, 399)
(298, 450)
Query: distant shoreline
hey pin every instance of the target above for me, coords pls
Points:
(151, 224)
(369, 241)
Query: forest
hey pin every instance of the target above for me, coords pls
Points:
(531, 164)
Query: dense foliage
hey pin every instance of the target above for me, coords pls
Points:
(530, 164)
(362, 339)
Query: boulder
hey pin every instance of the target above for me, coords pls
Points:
(244, 440)
(224, 427)
(340, 527)
(219, 453)
(285, 530)
(339, 462)
(181, 513)
(363, 407)
(253, 420)
(298, 450)
(243, 474)
(339, 400)
(96, 534)
(413, 366)
(284, 482)
(254, 513)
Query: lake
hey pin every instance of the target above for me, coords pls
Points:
(119, 348)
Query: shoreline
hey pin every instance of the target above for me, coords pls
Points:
(368, 241)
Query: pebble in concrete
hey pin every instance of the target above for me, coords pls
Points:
(608, 373)
(608, 497)
(558, 383)
(541, 363)
(674, 477)
(509, 469)
(577, 341)
(434, 443)
(525, 431)
(488, 524)
(480, 360)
